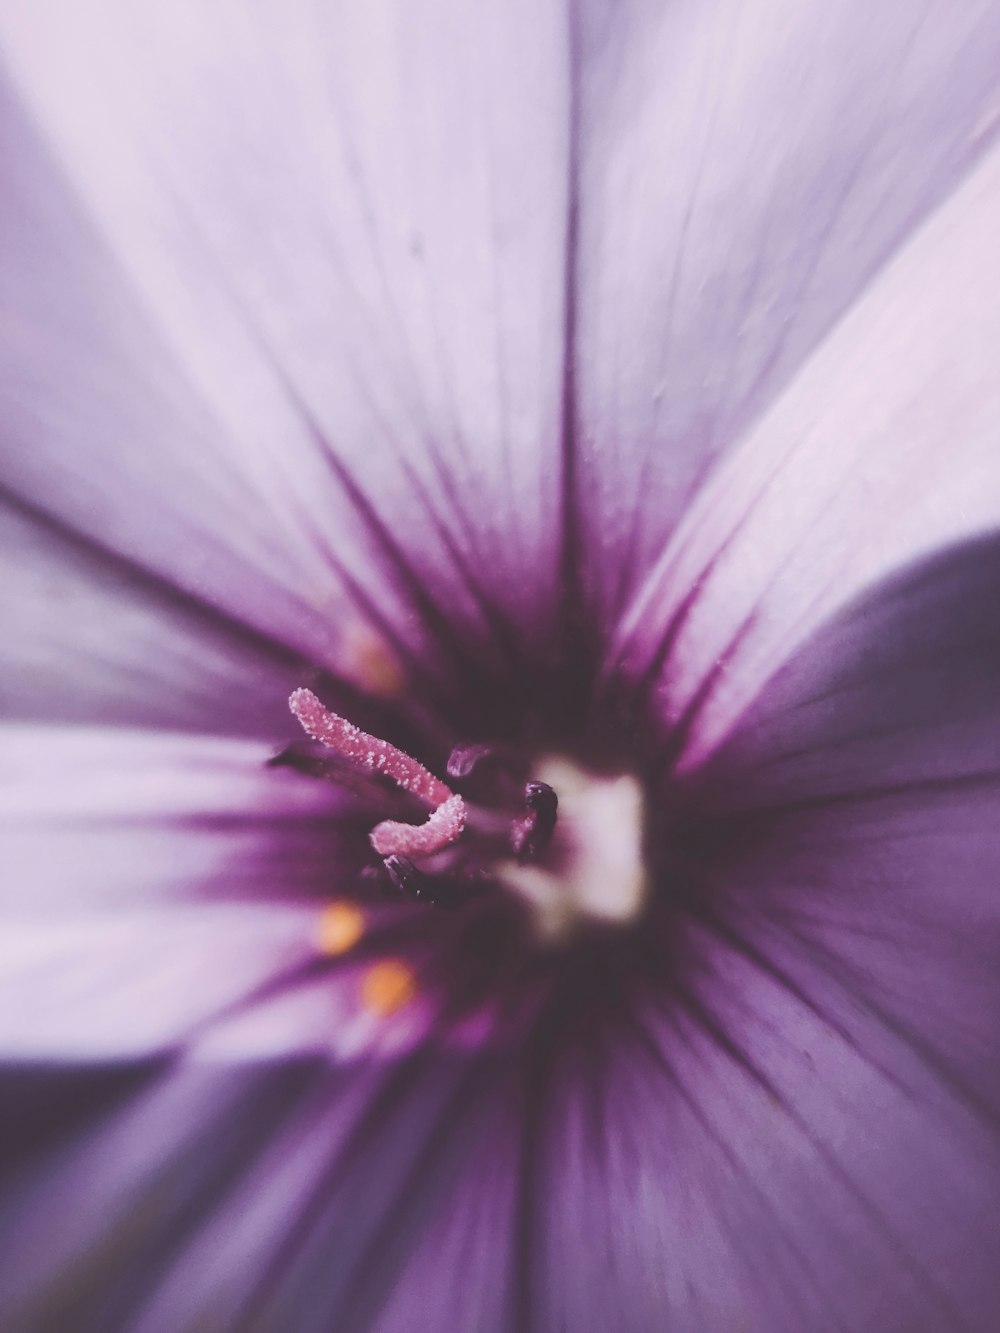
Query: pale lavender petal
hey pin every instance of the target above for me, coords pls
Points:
(151, 883)
(320, 251)
(104, 429)
(87, 639)
(92, 985)
(744, 173)
(883, 448)
(102, 820)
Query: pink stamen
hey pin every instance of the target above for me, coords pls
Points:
(441, 828)
(447, 820)
(367, 751)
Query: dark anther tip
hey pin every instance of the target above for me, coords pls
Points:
(436, 890)
(541, 798)
(532, 831)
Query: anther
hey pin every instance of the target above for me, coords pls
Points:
(531, 832)
(446, 822)
(439, 830)
(465, 759)
(438, 890)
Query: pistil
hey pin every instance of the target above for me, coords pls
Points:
(447, 820)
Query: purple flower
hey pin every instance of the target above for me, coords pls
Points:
(599, 404)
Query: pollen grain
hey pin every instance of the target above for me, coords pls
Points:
(375, 667)
(341, 925)
(388, 986)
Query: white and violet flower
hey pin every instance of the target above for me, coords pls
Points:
(587, 416)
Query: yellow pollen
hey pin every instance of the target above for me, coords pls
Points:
(374, 665)
(388, 986)
(341, 925)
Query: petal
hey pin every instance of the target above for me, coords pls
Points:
(100, 986)
(104, 430)
(321, 254)
(854, 815)
(798, 1126)
(113, 819)
(281, 1195)
(473, 1232)
(167, 891)
(745, 173)
(89, 639)
(152, 883)
(176, 892)
(881, 450)
(805, 1171)
(893, 699)
(400, 1176)
(98, 1211)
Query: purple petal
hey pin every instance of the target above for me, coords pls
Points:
(805, 1171)
(840, 1029)
(224, 1196)
(797, 1126)
(89, 640)
(745, 172)
(396, 1168)
(881, 450)
(318, 254)
(162, 1159)
(473, 1231)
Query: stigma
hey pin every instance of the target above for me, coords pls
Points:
(446, 821)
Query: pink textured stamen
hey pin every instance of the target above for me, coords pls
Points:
(446, 821)
(369, 752)
(441, 828)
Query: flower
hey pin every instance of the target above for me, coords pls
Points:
(602, 399)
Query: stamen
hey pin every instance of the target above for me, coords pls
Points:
(531, 832)
(446, 822)
(367, 751)
(441, 828)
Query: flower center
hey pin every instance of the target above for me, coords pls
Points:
(568, 842)
(594, 869)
